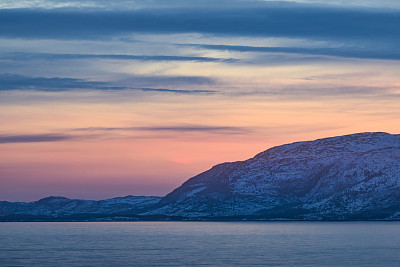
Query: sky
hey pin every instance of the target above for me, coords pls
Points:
(100, 99)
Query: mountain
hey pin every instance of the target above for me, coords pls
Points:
(351, 177)
(61, 208)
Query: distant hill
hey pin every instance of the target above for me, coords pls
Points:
(65, 209)
(352, 177)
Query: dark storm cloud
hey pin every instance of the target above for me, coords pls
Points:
(49, 56)
(34, 138)
(10, 82)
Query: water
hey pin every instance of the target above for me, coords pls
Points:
(200, 244)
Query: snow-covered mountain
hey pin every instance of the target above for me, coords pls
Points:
(352, 177)
(347, 177)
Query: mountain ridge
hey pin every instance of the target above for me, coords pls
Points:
(350, 177)
(281, 179)
(61, 208)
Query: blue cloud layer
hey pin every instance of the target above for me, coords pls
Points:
(272, 20)
(52, 56)
(10, 82)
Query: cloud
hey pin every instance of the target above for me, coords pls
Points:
(176, 128)
(20, 82)
(34, 138)
(343, 51)
(102, 132)
(10, 82)
(50, 56)
(319, 92)
(176, 91)
(144, 81)
(124, 4)
(140, 4)
(347, 32)
(275, 20)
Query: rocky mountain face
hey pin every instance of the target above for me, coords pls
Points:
(341, 178)
(352, 177)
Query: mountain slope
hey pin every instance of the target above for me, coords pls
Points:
(347, 177)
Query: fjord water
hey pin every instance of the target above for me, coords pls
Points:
(200, 244)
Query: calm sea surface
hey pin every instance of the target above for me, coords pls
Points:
(200, 244)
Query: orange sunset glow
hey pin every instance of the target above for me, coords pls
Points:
(139, 111)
